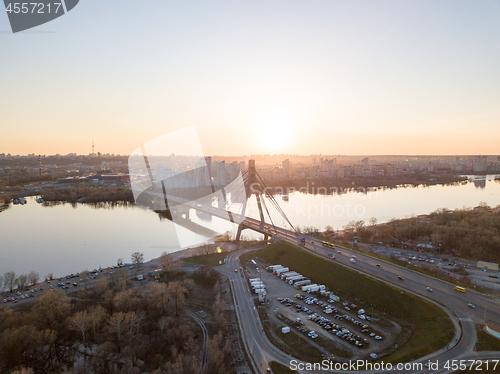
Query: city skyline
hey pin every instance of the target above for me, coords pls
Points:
(326, 77)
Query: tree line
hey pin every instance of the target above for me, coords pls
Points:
(10, 280)
(115, 327)
(472, 233)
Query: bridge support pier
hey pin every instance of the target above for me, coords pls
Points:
(242, 227)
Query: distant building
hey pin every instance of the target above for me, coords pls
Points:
(286, 167)
(389, 169)
(357, 170)
(480, 163)
(430, 167)
(221, 173)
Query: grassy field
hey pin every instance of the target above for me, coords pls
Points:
(486, 342)
(278, 368)
(426, 328)
(211, 259)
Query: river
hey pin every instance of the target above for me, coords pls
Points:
(69, 238)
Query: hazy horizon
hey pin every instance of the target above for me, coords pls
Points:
(260, 77)
(108, 154)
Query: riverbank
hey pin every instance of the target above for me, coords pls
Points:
(106, 193)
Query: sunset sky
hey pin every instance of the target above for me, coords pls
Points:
(260, 76)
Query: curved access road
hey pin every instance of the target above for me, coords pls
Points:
(261, 350)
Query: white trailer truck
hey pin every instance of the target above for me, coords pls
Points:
(302, 283)
(281, 271)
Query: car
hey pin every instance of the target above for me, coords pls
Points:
(377, 265)
(4, 300)
(339, 252)
(235, 270)
(400, 277)
(372, 334)
(429, 289)
(373, 355)
(378, 337)
(471, 305)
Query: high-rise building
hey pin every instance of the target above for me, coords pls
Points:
(365, 164)
(480, 163)
(340, 172)
(286, 167)
(221, 173)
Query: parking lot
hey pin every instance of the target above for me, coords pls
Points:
(340, 322)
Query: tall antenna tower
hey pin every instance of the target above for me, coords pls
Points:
(92, 145)
(40, 164)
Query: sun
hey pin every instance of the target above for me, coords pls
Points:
(275, 133)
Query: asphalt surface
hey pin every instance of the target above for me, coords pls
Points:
(462, 346)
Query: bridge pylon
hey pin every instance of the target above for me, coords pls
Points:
(253, 187)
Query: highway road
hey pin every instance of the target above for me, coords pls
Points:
(454, 303)
(259, 348)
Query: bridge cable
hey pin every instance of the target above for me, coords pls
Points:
(275, 203)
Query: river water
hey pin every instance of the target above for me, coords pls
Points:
(66, 238)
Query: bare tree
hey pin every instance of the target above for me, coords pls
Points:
(177, 291)
(167, 261)
(22, 281)
(51, 310)
(119, 262)
(33, 277)
(9, 280)
(373, 221)
(97, 316)
(80, 322)
(117, 323)
(158, 298)
(135, 320)
(138, 259)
